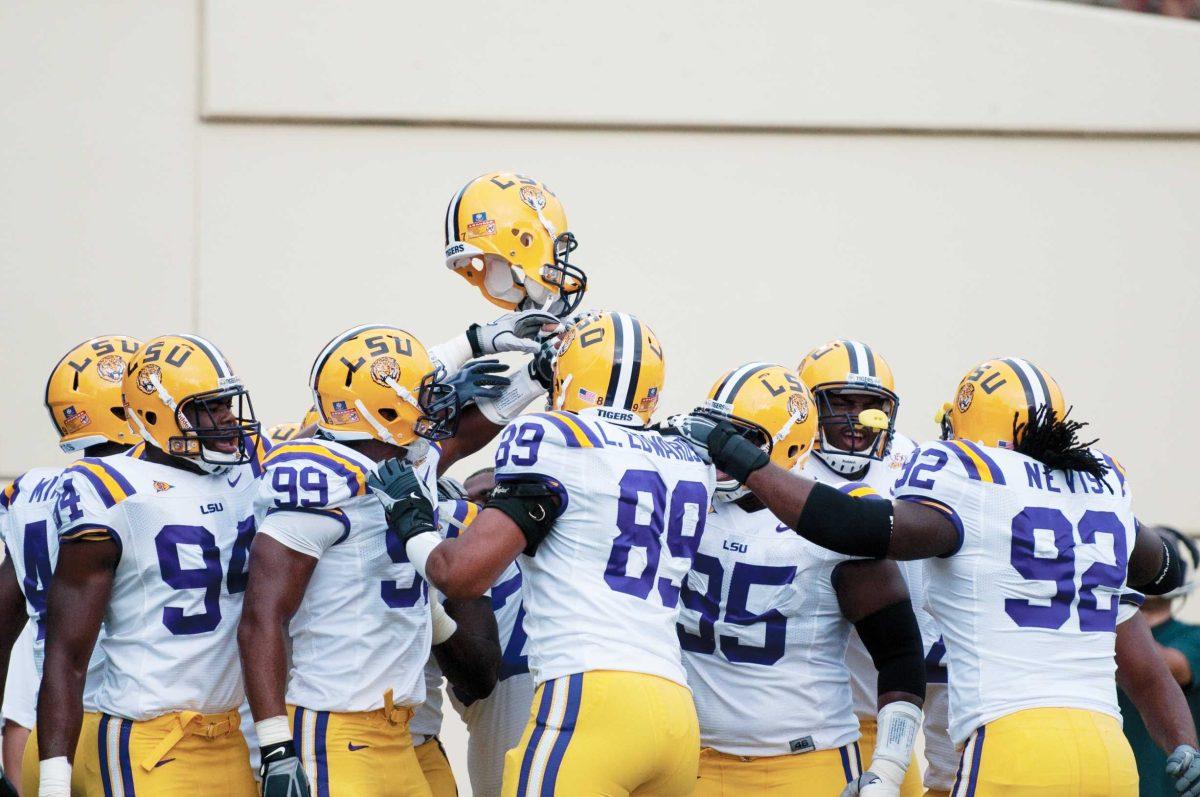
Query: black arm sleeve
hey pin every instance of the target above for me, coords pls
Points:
(532, 504)
(893, 639)
(1170, 576)
(852, 526)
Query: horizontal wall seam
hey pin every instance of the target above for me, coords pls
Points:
(634, 127)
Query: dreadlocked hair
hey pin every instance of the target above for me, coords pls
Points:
(1054, 442)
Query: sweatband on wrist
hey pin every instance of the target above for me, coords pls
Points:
(516, 397)
(443, 624)
(893, 638)
(453, 354)
(420, 547)
(273, 730)
(898, 724)
(54, 777)
(851, 526)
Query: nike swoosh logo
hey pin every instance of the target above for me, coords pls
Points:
(273, 754)
(351, 746)
(233, 482)
(164, 761)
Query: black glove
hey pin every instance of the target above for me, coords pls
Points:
(480, 379)
(281, 771)
(729, 452)
(541, 366)
(408, 509)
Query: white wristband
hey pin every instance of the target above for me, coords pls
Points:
(898, 725)
(272, 730)
(443, 624)
(54, 777)
(453, 354)
(420, 547)
(515, 398)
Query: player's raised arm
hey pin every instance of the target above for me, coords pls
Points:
(818, 512)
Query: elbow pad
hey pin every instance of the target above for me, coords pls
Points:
(893, 639)
(851, 526)
(531, 504)
(1171, 575)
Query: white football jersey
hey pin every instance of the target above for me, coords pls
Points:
(30, 539)
(879, 480)
(171, 620)
(365, 610)
(602, 591)
(495, 723)
(764, 639)
(1028, 603)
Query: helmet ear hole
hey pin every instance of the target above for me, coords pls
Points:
(793, 450)
(151, 417)
(526, 239)
(118, 411)
(388, 414)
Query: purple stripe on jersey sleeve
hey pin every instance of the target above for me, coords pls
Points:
(114, 474)
(997, 474)
(945, 509)
(967, 462)
(350, 476)
(567, 432)
(105, 494)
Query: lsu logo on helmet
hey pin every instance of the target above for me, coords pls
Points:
(997, 397)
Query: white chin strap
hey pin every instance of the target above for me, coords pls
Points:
(382, 431)
(842, 462)
(728, 490)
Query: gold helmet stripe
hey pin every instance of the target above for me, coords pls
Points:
(1037, 393)
(729, 388)
(218, 361)
(862, 359)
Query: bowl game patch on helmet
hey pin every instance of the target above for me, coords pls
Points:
(343, 414)
(74, 420)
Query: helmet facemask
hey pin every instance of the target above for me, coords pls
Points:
(201, 429)
(880, 420)
(730, 489)
(441, 408)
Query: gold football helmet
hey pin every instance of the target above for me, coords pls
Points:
(507, 235)
(181, 394)
(772, 408)
(83, 394)
(841, 370)
(311, 418)
(995, 398)
(609, 364)
(377, 382)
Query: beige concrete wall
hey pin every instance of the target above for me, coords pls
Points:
(745, 177)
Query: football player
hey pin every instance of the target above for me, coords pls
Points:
(154, 544)
(494, 723)
(83, 398)
(326, 561)
(1034, 539)
(19, 708)
(605, 515)
(859, 450)
(507, 235)
(766, 617)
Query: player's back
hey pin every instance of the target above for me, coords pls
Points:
(602, 591)
(1028, 603)
(365, 609)
(172, 616)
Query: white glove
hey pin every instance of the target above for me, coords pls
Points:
(54, 777)
(510, 332)
(872, 784)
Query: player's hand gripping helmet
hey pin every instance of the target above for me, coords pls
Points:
(377, 382)
(610, 365)
(771, 408)
(507, 235)
(845, 376)
(994, 398)
(83, 394)
(184, 398)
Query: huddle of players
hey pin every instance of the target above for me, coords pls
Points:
(699, 607)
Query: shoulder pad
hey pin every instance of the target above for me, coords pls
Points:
(109, 484)
(90, 490)
(967, 459)
(308, 475)
(564, 428)
(456, 515)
